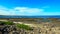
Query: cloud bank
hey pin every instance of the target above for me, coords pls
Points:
(25, 11)
(20, 11)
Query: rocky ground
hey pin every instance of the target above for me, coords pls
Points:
(42, 28)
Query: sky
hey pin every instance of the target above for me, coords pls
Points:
(30, 7)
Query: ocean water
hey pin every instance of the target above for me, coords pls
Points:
(4, 16)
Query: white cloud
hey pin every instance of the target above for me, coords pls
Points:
(6, 11)
(50, 13)
(28, 10)
(19, 11)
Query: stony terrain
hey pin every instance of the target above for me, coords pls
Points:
(38, 27)
(43, 28)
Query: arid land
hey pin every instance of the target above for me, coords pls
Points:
(39, 26)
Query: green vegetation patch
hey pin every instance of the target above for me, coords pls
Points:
(6, 23)
(23, 26)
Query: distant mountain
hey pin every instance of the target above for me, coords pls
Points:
(14, 16)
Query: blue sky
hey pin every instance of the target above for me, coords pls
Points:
(29, 7)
